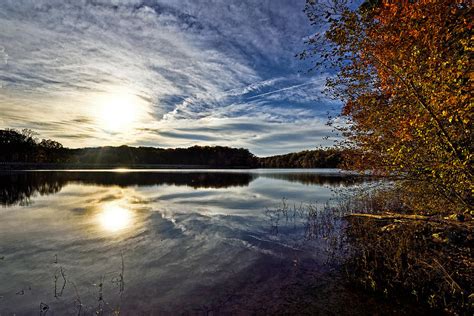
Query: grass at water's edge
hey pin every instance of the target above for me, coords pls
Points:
(429, 262)
(423, 261)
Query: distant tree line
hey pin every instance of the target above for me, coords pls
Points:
(24, 147)
(217, 156)
(319, 158)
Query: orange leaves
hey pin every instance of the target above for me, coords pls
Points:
(348, 108)
(407, 84)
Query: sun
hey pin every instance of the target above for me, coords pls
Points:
(118, 112)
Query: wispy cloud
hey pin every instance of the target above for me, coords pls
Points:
(207, 72)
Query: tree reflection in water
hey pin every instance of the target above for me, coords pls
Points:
(20, 187)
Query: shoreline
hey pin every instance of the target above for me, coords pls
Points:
(118, 167)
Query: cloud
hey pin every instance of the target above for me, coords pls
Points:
(225, 69)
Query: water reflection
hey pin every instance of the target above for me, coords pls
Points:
(308, 178)
(20, 187)
(138, 241)
(114, 217)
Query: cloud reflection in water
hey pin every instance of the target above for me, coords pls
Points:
(186, 237)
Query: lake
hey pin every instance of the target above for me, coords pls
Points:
(167, 241)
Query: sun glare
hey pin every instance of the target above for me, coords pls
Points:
(114, 218)
(119, 112)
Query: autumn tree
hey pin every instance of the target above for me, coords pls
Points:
(404, 74)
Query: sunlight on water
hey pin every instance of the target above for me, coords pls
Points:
(184, 238)
(121, 170)
(114, 218)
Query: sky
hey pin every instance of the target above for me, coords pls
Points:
(162, 73)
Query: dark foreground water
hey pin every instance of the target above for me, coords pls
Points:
(167, 242)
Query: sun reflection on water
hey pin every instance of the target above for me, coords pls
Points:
(114, 218)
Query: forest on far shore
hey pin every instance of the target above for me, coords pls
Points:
(23, 147)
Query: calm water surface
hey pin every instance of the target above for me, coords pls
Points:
(160, 242)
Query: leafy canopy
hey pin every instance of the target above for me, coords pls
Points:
(404, 73)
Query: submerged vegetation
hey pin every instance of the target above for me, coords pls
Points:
(423, 263)
(423, 258)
